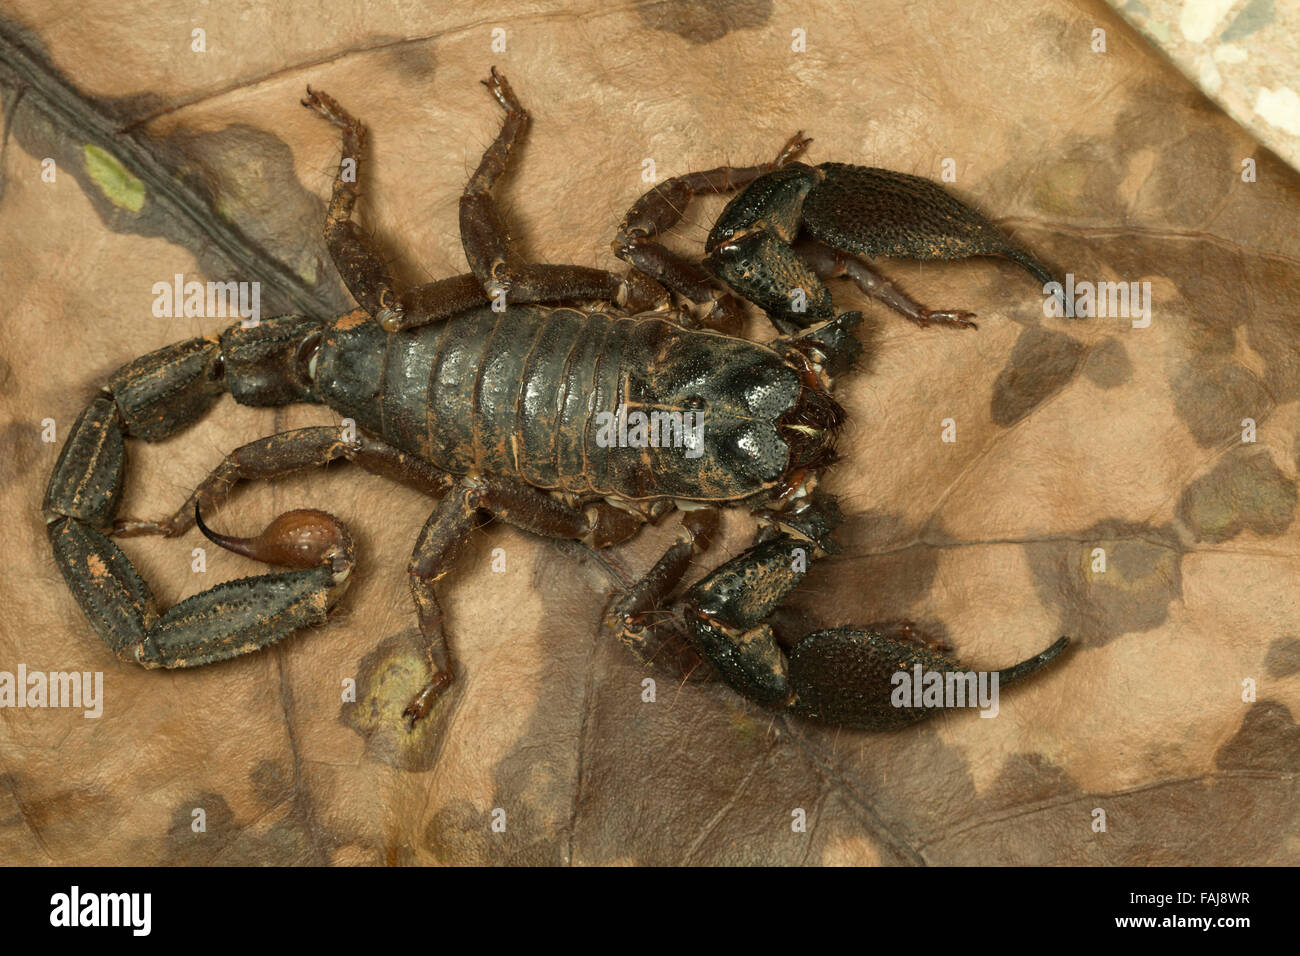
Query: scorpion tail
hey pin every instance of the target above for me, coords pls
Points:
(152, 398)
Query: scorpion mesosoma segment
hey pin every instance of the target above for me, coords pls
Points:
(485, 390)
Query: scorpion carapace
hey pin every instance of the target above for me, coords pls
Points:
(507, 393)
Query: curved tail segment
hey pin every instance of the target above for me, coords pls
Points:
(152, 398)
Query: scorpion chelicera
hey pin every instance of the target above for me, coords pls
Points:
(485, 390)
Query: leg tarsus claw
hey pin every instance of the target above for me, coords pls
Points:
(422, 703)
(321, 102)
(499, 87)
(792, 149)
(956, 318)
(137, 527)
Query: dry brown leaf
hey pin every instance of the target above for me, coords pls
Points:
(1072, 435)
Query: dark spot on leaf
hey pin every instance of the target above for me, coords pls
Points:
(1272, 331)
(1180, 117)
(1027, 778)
(1108, 365)
(1143, 575)
(1255, 15)
(1283, 658)
(1167, 825)
(1267, 740)
(187, 847)
(1040, 365)
(271, 783)
(1078, 180)
(20, 444)
(459, 834)
(1213, 396)
(1245, 491)
(414, 61)
(703, 21)
(285, 840)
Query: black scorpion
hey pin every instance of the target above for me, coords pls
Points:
(487, 391)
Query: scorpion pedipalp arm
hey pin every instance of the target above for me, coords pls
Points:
(880, 212)
(846, 676)
(662, 207)
(834, 213)
(843, 676)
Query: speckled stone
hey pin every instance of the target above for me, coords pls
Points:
(1243, 54)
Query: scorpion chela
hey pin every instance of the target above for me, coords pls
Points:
(485, 390)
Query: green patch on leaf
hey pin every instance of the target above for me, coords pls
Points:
(1246, 491)
(114, 180)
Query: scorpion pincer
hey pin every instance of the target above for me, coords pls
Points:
(487, 391)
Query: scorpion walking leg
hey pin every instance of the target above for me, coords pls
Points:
(441, 539)
(152, 398)
(284, 453)
(842, 676)
(444, 535)
(484, 234)
(483, 231)
(354, 253)
(444, 298)
(663, 206)
(635, 617)
(830, 263)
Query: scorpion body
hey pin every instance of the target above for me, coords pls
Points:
(522, 394)
(489, 391)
